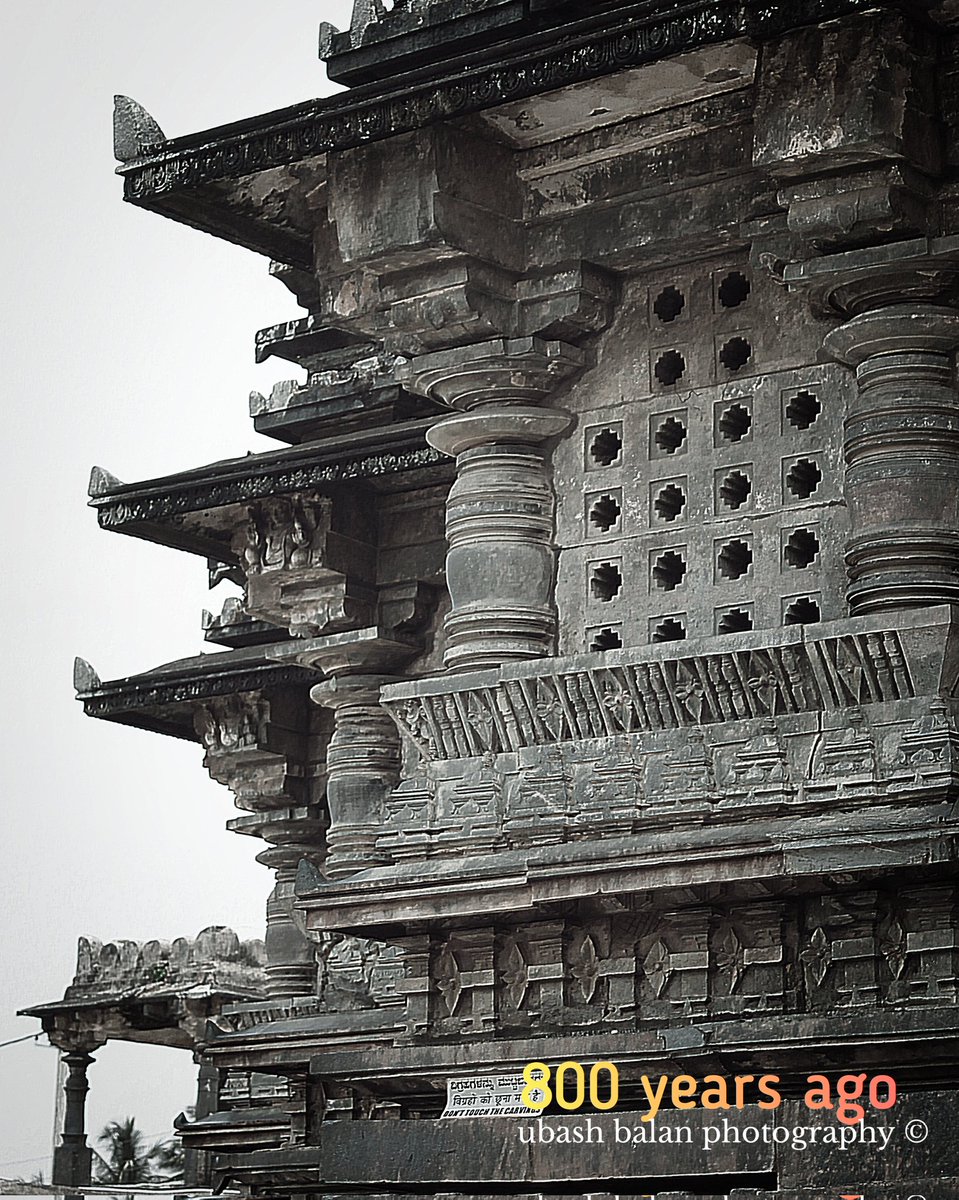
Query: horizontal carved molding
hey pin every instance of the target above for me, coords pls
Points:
(114, 699)
(355, 118)
(131, 506)
(634, 694)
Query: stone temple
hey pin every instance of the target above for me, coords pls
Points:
(593, 691)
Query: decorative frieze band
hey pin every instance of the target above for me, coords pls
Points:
(607, 701)
(343, 122)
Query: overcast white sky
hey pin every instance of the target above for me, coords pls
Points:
(127, 342)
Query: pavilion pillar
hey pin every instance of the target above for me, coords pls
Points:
(500, 568)
(363, 762)
(290, 956)
(901, 443)
(73, 1158)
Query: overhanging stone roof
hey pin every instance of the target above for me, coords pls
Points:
(154, 991)
(162, 700)
(185, 178)
(154, 508)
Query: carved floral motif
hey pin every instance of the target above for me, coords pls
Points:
(448, 979)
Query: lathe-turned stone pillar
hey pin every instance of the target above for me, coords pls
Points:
(901, 445)
(291, 967)
(363, 762)
(500, 514)
(73, 1158)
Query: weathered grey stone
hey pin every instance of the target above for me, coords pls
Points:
(643, 319)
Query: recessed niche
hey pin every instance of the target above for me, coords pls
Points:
(802, 409)
(800, 549)
(605, 639)
(670, 435)
(803, 478)
(804, 611)
(669, 304)
(735, 354)
(670, 502)
(669, 368)
(605, 581)
(734, 559)
(733, 290)
(605, 446)
(671, 629)
(734, 620)
(604, 512)
(669, 570)
(735, 489)
(735, 423)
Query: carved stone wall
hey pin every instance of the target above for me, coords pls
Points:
(662, 766)
(702, 490)
(646, 966)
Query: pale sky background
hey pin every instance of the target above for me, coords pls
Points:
(127, 342)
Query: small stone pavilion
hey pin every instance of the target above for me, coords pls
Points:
(593, 690)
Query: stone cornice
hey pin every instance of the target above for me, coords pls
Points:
(867, 844)
(630, 37)
(139, 699)
(141, 508)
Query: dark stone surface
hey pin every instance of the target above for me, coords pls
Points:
(661, 765)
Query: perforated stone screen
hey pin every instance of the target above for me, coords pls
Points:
(701, 492)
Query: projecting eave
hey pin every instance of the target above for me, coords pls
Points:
(245, 181)
(198, 510)
(164, 699)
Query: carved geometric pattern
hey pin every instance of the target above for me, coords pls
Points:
(448, 979)
(669, 694)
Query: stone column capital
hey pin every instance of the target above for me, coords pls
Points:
(359, 652)
(341, 690)
(507, 370)
(911, 328)
(922, 271)
(499, 424)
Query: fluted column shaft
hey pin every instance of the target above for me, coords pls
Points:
(902, 456)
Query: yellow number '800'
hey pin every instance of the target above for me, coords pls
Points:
(569, 1086)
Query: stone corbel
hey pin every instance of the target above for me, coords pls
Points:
(308, 562)
(846, 126)
(277, 808)
(500, 511)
